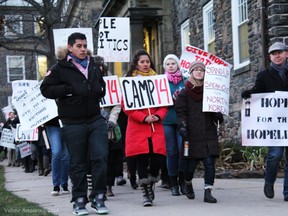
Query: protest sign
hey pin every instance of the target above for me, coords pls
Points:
(264, 120)
(26, 134)
(6, 110)
(191, 53)
(216, 89)
(33, 108)
(7, 138)
(145, 92)
(114, 39)
(61, 37)
(113, 92)
(24, 149)
(19, 86)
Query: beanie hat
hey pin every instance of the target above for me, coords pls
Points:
(171, 56)
(196, 64)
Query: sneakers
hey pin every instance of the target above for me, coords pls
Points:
(65, 190)
(79, 207)
(98, 204)
(269, 191)
(55, 191)
(121, 180)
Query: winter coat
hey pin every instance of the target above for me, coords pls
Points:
(77, 97)
(202, 131)
(138, 132)
(269, 80)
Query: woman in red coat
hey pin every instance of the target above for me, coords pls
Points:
(145, 140)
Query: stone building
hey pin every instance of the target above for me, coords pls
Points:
(239, 32)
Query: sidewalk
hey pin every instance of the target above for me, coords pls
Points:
(236, 197)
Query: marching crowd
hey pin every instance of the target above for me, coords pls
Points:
(89, 144)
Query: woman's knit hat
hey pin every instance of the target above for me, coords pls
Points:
(171, 56)
(196, 64)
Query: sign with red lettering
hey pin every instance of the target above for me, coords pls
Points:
(191, 53)
(216, 89)
(145, 92)
(114, 39)
(26, 134)
(113, 92)
(264, 119)
(24, 149)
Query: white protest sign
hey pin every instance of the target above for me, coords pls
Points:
(6, 110)
(19, 86)
(24, 149)
(114, 39)
(145, 92)
(191, 53)
(7, 138)
(61, 37)
(113, 92)
(34, 109)
(264, 120)
(26, 134)
(216, 89)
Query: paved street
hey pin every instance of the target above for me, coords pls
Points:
(236, 197)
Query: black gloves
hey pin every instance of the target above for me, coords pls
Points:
(110, 125)
(183, 132)
(246, 94)
(218, 117)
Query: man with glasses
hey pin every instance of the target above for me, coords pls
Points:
(272, 79)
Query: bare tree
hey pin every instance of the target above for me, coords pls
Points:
(37, 19)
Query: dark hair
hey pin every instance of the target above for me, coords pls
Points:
(134, 62)
(76, 36)
(99, 61)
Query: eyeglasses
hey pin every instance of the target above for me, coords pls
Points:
(199, 69)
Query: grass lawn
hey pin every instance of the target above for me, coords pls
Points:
(15, 206)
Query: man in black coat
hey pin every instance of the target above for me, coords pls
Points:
(274, 78)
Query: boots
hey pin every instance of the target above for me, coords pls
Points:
(150, 188)
(189, 190)
(147, 201)
(181, 183)
(174, 186)
(208, 196)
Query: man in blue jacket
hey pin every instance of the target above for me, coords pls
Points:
(77, 85)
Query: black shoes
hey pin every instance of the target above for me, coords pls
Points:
(79, 207)
(269, 191)
(208, 196)
(189, 190)
(98, 204)
(120, 180)
(175, 190)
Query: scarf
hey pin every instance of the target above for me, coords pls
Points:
(282, 70)
(196, 92)
(141, 73)
(83, 62)
(175, 78)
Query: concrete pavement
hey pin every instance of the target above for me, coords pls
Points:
(236, 197)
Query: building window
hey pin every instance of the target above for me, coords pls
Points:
(13, 25)
(185, 40)
(15, 68)
(208, 26)
(240, 33)
(41, 66)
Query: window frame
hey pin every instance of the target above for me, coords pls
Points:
(184, 26)
(7, 31)
(235, 15)
(22, 63)
(206, 10)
